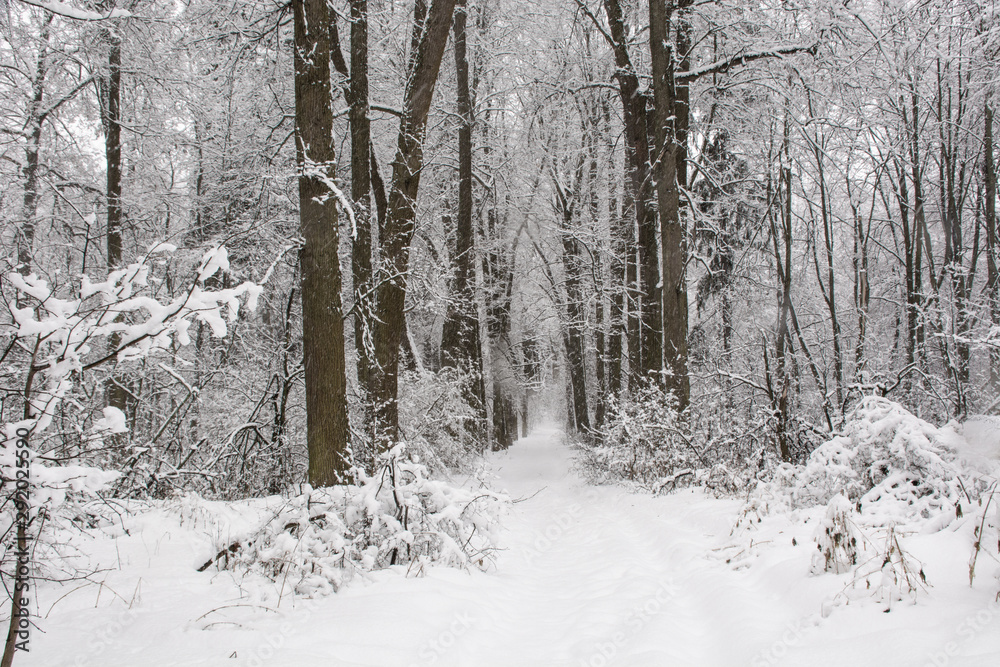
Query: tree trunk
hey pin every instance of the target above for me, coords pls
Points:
(915, 298)
(828, 290)
(117, 394)
(671, 104)
(575, 318)
(322, 317)
(778, 382)
(620, 227)
(862, 292)
(992, 277)
(399, 223)
(361, 247)
(647, 353)
(597, 271)
(113, 149)
(498, 276)
(26, 235)
(460, 341)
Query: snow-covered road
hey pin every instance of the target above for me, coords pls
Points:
(586, 575)
(592, 574)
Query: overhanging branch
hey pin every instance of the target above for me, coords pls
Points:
(70, 12)
(727, 64)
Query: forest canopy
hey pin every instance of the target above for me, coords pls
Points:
(463, 218)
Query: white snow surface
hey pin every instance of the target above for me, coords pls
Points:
(586, 575)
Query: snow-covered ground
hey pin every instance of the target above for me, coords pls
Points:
(586, 576)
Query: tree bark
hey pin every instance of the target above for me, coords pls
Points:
(671, 118)
(647, 353)
(992, 276)
(322, 317)
(575, 318)
(117, 394)
(617, 327)
(460, 342)
(26, 235)
(399, 223)
(780, 387)
(113, 149)
(361, 247)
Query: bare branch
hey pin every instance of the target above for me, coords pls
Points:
(70, 12)
(726, 64)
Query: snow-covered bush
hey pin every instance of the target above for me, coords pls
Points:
(61, 337)
(440, 426)
(895, 467)
(318, 540)
(836, 538)
(885, 572)
(644, 440)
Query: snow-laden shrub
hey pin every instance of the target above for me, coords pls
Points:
(320, 539)
(836, 538)
(61, 337)
(644, 440)
(986, 531)
(44, 499)
(439, 424)
(884, 572)
(894, 466)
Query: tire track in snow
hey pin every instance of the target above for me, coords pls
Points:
(590, 575)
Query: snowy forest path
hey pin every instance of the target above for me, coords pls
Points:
(593, 575)
(585, 575)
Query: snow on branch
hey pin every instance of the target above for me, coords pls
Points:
(71, 12)
(726, 64)
(318, 171)
(66, 332)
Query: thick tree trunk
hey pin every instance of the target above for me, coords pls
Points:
(504, 417)
(597, 271)
(620, 227)
(322, 316)
(117, 394)
(915, 296)
(647, 353)
(361, 247)
(399, 223)
(498, 276)
(671, 118)
(780, 387)
(575, 317)
(113, 149)
(460, 341)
